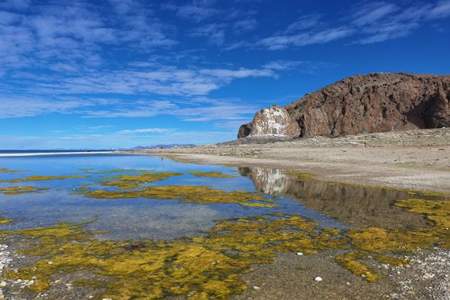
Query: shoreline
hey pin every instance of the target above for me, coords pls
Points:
(414, 160)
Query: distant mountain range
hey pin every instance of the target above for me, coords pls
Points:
(164, 146)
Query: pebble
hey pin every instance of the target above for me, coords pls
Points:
(257, 288)
(299, 253)
(318, 279)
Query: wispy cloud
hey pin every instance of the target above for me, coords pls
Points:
(382, 21)
(214, 32)
(278, 42)
(372, 12)
(13, 107)
(369, 22)
(196, 11)
(157, 80)
(145, 131)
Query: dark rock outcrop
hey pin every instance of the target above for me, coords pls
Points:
(371, 103)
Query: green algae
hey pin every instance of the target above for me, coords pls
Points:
(192, 194)
(134, 181)
(39, 178)
(211, 174)
(17, 190)
(6, 171)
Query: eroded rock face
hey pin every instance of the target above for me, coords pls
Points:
(371, 103)
(275, 121)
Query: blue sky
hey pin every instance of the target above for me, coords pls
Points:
(121, 73)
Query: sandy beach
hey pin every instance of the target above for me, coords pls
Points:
(417, 159)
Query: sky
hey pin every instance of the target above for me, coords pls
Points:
(77, 74)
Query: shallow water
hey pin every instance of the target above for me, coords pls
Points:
(204, 247)
(135, 218)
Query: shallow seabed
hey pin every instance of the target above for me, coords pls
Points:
(126, 227)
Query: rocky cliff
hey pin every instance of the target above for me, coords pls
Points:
(360, 104)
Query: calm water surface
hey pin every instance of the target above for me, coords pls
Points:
(143, 218)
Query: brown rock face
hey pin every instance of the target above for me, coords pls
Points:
(373, 103)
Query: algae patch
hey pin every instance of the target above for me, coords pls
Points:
(351, 261)
(17, 190)
(134, 181)
(192, 194)
(301, 176)
(4, 221)
(211, 174)
(436, 211)
(6, 171)
(207, 267)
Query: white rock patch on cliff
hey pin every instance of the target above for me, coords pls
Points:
(274, 121)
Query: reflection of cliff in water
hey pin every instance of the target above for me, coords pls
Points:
(353, 205)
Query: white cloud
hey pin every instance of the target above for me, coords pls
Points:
(140, 131)
(382, 21)
(278, 42)
(304, 22)
(215, 33)
(159, 80)
(245, 25)
(373, 12)
(196, 11)
(13, 107)
(440, 10)
(369, 22)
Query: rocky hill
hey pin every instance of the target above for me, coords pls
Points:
(360, 104)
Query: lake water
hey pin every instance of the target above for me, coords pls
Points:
(136, 218)
(190, 245)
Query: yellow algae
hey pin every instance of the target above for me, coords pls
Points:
(379, 240)
(4, 221)
(207, 267)
(203, 267)
(16, 190)
(211, 174)
(210, 266)
(301, 176)
(39, 178)
(391, 260)
(134, 181)
(351, 261)
(193, 194)
(430, 194)
(436, 211)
